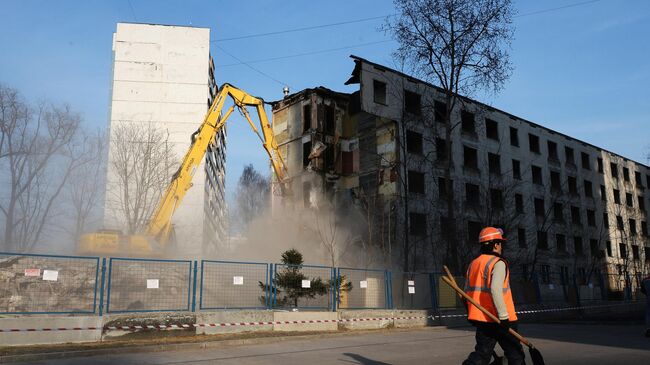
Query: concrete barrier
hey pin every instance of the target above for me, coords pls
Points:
(305, 316)
(50, 337)
(234, 317)
(366, 325)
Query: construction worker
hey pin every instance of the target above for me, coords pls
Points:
(645, 289)
(488, 282)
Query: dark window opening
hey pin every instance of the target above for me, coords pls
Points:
(560, 242)
(491, 129)
(626, 174)
(575, 216)
(494, 163)
(629, 201)
(603, 193)
(542, 240)
(306, 150)
(589, 192)
(306, 118)
(347, 162)
(591, 217)
(585, 161)
(638, 180)
(577, 245)
(414, 142)
(521, 237)
(622, 248)
(593, 247)
(470, 158)
(617, 196)
(641, 203)
(519, 203)
(412, 102)
(632, 224)
(514, 137)
(573, 185)
(516, 170)
(443, 188)
(552, 151)
(379, 91)
(440, 111)
(545, 274)
(600, 165)
(605, 220)
(533, 143)
(558, 212)
(473, 231)
(644, 228)
(468, 123)
(496, 199)
(619, 223)
(539, 207)
(568, 155)
(608, 247)
(330, 120)
(415, 182)
(537, 175)
(472, 195)
(418, 224)
(556, 184)
(441, 150)
(614, 170)
(635, 252)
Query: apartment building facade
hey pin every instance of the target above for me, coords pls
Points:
(566, 206)
(163, 78)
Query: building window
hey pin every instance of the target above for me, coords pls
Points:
(589, 192)
(638, 180)
(600, 165)
(635, 252)
(626, 174)
(619, 223)
(514, 137)
(491, 129)
(585, 161)
(614, 170)
(608, 247)
(496, 199)
(646, 251)
(473, 231)
(516, 170)
(470, 158)
(556, 185)
(632, 224)
(644, 228)
(629, 201)
(545, 271)
(519, 203)
(558, 212)
(472, 195)
(412, 103)
(330, 120)
(306, 118)
(603, 193)
(347, 162)
(605, 220)
(622, 249)
(414, 142)
(575, 216)
(418, 224)
(379, 92)
(306, 151)
(440, 111)
(573, 185)
(443, 188)
(568, 155)
(552, 151)
(416, 182)
(537, 175)
(577, 245)
(521, 237)
(468, 124)
(617, 196)
(441, 150)
(542, 240)
(641, 203)
(560, 242)
(582, 276)
(539, 207)
(494, 163)
(647, 180)
(593, 247)
(533, 143)
(564, 274)
(591, 217)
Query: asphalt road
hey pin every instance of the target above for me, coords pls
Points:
(591, 344)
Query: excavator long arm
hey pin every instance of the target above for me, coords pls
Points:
(160, 223)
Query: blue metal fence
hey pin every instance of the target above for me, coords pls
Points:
(233, 285)
(148, 285)
(370, 289)
(48, 284)
(302, 286)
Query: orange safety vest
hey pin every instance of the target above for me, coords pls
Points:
(477, 286)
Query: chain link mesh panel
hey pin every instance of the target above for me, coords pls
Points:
(232, 285)
(148, 285)
(411, 290)
(48, 284)
(368, 289)
(291, 292)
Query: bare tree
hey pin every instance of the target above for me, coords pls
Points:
(141, 165)
(251, 197)
(39, 152)
(460, 45)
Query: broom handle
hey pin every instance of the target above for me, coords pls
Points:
(453, 285)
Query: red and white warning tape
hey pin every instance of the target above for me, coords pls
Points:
(263, 323)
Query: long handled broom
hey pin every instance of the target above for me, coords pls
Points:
(535, 355)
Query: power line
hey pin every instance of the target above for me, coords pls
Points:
(135, 18)
(257, 35)
(557, 8)
(307, 53)
(253, 68)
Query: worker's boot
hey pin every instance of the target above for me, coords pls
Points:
(498, 360)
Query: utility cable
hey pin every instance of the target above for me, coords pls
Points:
(253, 68)
(555, 9)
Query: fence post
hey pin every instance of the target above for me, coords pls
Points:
(194, 287)
(538, 291)
(334, 287)
(273, 288)
(603, 289)
(101, 293)
(434, 296)
(269, 283)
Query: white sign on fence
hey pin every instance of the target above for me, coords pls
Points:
(411, 282)
(237, 280)
(50, 275)
(411, 290)
(363, 284)
(306, 284)
(152, 283)
(32, 272)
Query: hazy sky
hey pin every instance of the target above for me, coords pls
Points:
(582, 70)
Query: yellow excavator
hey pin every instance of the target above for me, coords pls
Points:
(159, 231)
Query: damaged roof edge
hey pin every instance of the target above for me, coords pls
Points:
(290, 99)
(355, 79)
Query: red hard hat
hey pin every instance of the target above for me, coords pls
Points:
(490, 234)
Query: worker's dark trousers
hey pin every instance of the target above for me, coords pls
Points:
(487, 336)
